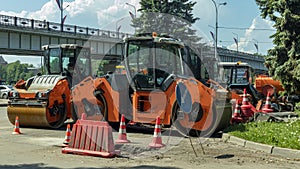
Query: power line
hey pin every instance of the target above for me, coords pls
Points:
(228, 41)
(240, 28)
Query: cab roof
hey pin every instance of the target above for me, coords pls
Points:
(233, 64)
(155, 38)
(70, 46)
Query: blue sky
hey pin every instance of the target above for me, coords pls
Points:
(240, 18)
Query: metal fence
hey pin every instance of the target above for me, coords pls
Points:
(57, 27)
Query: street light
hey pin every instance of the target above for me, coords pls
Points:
(62, 18)
(255, 44)
(131, 13)
(216, 30)
(117, 29)
(236, 41)
(133, 7)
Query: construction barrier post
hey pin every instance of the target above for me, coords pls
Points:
(93, 138)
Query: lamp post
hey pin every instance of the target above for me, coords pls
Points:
(256, 45)
(62, 18)
(61, 14)
(133, 8)
(216, 29)
(236, 41)
(117, 29)
(131, 13)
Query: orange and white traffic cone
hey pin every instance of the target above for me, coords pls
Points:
(267, 108)
(157, 141)
(245, 98)
(122, 137)
(236, 117)
(68, 136)
(16, 128)
(246, 107)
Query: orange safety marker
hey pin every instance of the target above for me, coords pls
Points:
(122, 137)
(16, 128)
(93, 138)
(236, 117)
(246, 107)
(267, 108)
(67, 137)
(157, 141)
(245, 98)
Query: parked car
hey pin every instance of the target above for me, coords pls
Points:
(4, 89)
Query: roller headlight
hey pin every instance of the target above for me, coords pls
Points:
(15, 94)
(42, 95)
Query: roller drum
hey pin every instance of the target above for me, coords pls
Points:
(31, 116)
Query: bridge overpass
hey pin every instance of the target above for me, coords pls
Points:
(22, 36)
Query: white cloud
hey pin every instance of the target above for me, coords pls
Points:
(80, 6)
(10, 13)
(106, 12)
(260, 31)
(47, 12)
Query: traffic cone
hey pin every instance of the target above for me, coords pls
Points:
(122, 137)
(16, 128)
(236, 117)
(157, 141)
(267, 108)
(246, 107)
(67, 137)
(245, 98)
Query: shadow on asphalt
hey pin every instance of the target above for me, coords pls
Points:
(44, 166)
(224, 156)
(137, 128)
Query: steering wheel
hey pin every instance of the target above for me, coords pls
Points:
(142, 81)
(160, 75)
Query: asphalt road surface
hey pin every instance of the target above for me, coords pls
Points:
(41, 148)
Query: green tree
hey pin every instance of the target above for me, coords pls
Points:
(283, 61)
(173, 18)
(15, 71)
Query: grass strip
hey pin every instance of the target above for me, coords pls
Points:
(280, 134)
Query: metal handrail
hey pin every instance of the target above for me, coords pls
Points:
(14, 21)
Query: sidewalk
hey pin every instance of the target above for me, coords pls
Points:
(3, 102)
(285, 152)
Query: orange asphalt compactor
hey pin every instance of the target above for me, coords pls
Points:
(154, 83)
(45, 100)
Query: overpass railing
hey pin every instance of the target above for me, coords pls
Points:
(240, 54)
(14, 21)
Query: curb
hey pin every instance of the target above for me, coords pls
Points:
(284, 152)
(3, 102)
(3, 105)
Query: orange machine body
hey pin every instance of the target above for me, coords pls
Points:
(262, 81)
(101, 99)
